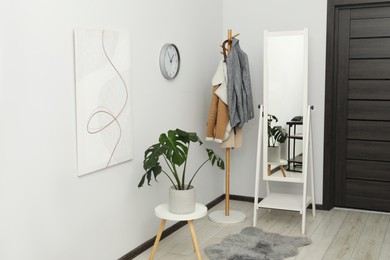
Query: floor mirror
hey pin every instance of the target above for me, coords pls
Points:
(284, 124)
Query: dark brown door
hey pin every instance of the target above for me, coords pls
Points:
(362, 116)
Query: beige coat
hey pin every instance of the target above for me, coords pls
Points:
(218, 125)
(218, 119)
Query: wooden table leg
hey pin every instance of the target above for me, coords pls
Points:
(269, 169)
(161, 229)
(194, 240)
(282, 169)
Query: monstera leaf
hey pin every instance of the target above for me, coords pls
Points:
(280, 134)
(270, 119)
(215, 159)
(275, 133)
(176, 145)
(151, 163)
(152, 154)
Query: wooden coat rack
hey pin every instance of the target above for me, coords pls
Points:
(229, 216)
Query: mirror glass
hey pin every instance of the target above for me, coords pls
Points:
(285, 100)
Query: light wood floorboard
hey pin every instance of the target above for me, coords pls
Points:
(335, 234)
(345, 240)
(371, 239)
(385, 251)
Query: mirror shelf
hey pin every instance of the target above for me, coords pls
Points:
(285, 201)
(295, 177)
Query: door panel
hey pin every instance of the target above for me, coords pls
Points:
(368, 170)
(369, 48)
(369, 89)
(362, 123)
(367, 203)
(369, 13)
(369, 69)
(368, 150)
(368, 130)
(368, 189)
(369, 110)
(364, 28)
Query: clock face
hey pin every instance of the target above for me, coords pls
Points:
(169, 61)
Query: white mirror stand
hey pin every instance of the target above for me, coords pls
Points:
(285, 96)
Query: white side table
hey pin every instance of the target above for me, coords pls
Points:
(162, 211)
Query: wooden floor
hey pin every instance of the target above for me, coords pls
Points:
(335, 234)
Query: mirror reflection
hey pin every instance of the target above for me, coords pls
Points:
(284, 65)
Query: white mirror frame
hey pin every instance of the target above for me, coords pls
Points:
(266, 68)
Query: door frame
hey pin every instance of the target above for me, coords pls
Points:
(330, 146)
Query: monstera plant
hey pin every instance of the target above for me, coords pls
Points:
(275, 133)
(173, 148)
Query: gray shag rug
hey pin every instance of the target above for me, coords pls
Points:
(253, 243)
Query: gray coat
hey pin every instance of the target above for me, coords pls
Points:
(239, 92)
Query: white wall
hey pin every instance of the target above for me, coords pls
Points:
(46, 211)
(250, 18)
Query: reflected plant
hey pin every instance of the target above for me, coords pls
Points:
(275, 133)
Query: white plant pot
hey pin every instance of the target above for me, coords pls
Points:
(182, 201)
(274, 154)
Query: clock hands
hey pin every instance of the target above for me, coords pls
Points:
(171, 58)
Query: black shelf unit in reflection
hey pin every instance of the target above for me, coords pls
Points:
(294, 161)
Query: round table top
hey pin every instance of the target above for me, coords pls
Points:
(162, 211)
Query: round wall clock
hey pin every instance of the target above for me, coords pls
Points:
(169, 61)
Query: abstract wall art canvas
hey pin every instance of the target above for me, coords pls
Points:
(103, 101)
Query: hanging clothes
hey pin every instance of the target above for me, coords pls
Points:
(239, 91)
(218, 125)
(234, 140)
